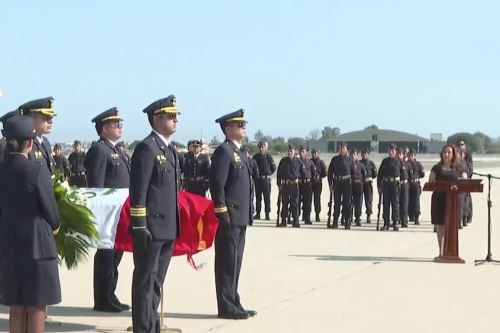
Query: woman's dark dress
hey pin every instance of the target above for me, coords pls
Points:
(438, 201)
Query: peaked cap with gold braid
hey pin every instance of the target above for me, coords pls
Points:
(164, 105)
(42, 106)
(107, 116)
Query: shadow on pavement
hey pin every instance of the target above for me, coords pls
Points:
(364, 258)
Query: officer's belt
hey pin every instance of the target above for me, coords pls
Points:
(291, 181)
(78, 173)
(342, 177)
(263, 177)
(195, 178)
(357, 181)
(415, 181)
(404, 181)
(391, 179)
(307, 180)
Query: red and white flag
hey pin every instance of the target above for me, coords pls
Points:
(111, 208)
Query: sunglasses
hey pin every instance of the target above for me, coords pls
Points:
(240, 124)
(47, 118)
(117, 124)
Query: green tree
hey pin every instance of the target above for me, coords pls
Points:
(214, 141)
(371, 127)
(472, 142)
(329, 133)
(258, 135)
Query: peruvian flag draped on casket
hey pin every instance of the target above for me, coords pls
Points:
(111, 208)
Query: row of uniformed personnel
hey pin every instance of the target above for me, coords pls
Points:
(153, 179)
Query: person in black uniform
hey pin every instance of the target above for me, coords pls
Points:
(3, 142)
(388, 186)
(62, 163)
(417, 172)
(107, 168)
(358, 175)
(371, 173)
(154, 212)
(43, 115)
(339, 178)
(467, 206)
(254, 174)
(266, 167)
(29, 220)
(317, 181)
(230, 188)
(404, 176)
(305, 191)
(196, 170)
(287, 178)
(77, 161)
(121, 145)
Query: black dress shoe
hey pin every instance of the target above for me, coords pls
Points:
(113, 308)
(233, 315)
(251, 313)
(124, 307)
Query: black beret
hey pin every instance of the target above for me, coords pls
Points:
(354, 151)
(393, 146)
(6, 116)
(236, 116)
(261, 144)
(19, 127)
(302, 148)
(343, 144)
(412, 151)
(77, 142)
(57, 146)
(314, 151)
(190, 143)
(291, 146)
(196, 142)
(108, 115)
(42, 105)
(164, 105)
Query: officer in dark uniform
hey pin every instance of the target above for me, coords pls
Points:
(154, 212)
(287, 177)
(371, 173)
(61, 161)
(77, 161)
(196, 170)
(339, 178)
(404, 187)
(254, 173)
(317, 181)
(107, 168)
(388, 185)
(305, 192)
(230, 188)
(43, 114)
(358, 176)
(417, 172)
(29, 217)
(266, 168)
(3, 142)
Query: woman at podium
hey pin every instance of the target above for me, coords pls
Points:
(448, 169)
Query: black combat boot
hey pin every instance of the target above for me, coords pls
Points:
(295, 223)
(385, 226)
(307, 219)
(335, 224)
(267, 217)
(395, 226)
(416, 220)
(317, 217)
(358, 222)
(256, 216)
(282, 224)
(368, 218)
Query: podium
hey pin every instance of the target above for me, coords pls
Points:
(451, 218)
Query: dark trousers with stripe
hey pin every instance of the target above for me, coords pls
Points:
(229, 248)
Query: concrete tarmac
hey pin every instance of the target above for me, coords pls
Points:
(315, 279)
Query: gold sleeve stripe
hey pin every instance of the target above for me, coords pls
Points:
(138, 212)
(168, 109)
(220, 209)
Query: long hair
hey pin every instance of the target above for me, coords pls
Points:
(16, 146)
(453, 159)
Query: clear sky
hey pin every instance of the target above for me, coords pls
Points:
(420, 66)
